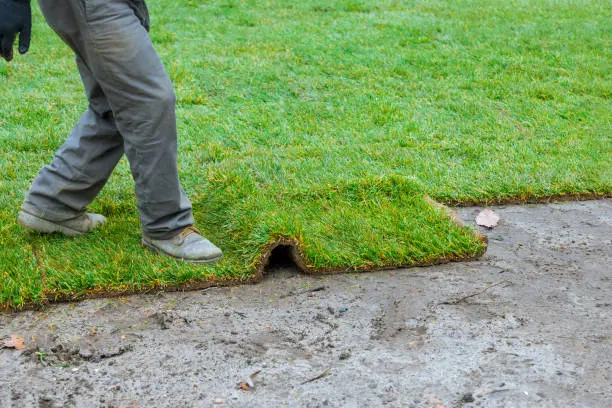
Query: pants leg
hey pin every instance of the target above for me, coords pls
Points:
(114, 46)
(83, 164)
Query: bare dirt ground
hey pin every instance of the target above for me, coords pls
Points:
(528, 325)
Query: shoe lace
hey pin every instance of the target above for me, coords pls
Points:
(188, 231)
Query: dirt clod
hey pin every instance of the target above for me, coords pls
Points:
(468, 398)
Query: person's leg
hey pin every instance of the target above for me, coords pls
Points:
(113, 45)
(121, 56)
(82, 165)
(117, 50)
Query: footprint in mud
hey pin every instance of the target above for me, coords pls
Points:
(391, 325)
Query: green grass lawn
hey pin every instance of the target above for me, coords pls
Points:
(326, 123)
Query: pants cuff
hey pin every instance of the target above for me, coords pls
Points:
(49, 214)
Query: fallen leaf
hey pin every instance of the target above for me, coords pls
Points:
(487, 218)
(244, 386)
(15, 342)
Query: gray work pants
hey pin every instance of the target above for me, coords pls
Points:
(131, 110)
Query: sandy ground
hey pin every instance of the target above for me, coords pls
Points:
(528, 325)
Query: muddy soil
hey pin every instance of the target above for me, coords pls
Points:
(528, 325)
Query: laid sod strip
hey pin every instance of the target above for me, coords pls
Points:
(325, 125)
(332, 231)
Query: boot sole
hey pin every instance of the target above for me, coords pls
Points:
(44, 226)
(191, 261)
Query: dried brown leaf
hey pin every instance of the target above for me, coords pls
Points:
(15, 342)
(487, 218)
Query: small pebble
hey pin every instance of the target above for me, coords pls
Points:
(218, 401)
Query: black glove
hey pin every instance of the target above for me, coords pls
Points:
(15, 18)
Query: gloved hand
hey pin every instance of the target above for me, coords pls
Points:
(15, 18)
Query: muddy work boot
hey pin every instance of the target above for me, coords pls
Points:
(80, 225)
(188, 246)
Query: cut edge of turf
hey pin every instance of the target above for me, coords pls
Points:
(528, 199)
(259, 266)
